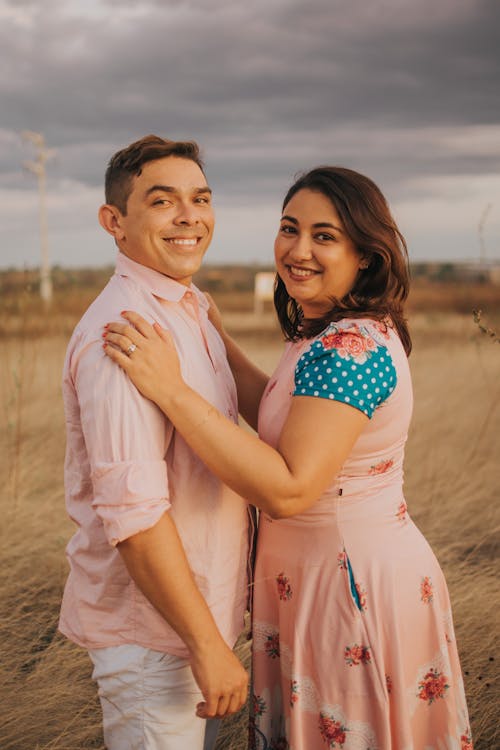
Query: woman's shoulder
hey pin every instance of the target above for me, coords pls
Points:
(357, 337)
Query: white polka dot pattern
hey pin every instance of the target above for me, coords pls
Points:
(364, 378)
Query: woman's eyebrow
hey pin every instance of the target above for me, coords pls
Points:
(318, 225)
(327, 224)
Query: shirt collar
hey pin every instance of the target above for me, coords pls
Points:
(156, 283)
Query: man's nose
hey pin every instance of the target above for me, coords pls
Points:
(187, 213)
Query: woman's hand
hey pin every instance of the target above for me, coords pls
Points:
(146, 353)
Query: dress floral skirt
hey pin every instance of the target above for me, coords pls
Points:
(353, 644)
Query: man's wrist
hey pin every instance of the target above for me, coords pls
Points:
(202, 645)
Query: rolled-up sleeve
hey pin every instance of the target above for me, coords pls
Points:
(126, 439)
(129, 496)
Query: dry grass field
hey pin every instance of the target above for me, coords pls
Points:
(452, 479)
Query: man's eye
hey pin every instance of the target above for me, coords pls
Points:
(204, 201)
(161, 202)
(287, 229)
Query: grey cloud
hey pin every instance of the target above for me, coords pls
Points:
(267, 88)
(255, 69)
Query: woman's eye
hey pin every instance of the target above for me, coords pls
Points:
(323, 237)
(287, 229)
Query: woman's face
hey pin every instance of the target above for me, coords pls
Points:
(314, 256)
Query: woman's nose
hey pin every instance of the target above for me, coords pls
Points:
(301, 248)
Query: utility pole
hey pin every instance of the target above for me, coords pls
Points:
(480, 228)
(43, 154)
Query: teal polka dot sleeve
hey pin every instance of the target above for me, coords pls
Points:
(348, 365)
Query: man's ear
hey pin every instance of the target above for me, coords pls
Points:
(110, 220)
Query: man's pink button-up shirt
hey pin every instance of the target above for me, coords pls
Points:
(126, 466)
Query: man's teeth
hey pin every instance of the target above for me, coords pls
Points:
(190, 242)
(301, 271)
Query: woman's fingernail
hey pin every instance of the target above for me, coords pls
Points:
(123, 312)
(106, 326)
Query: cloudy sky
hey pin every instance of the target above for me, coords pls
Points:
(406, 91)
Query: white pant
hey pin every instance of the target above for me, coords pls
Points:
(148, 701)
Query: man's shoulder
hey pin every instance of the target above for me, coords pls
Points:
(118, 294)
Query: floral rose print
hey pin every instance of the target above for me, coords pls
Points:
(272, 645)
(382, 466)
(259, 705)
(350, 344)
(402, 511)
(388, 682)
(426, 590)
(342, 560)
(329, 340)
(355, 655)
(284, 588)
(382, 327)
(332, 731)
(294, 692)
(361, 596)
(433, 686)
(466, 741)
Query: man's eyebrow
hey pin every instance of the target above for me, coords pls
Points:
(172, 189)
(318, 225)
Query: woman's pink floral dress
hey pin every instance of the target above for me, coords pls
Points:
(353, 636)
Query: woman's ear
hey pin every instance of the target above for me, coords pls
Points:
(364, 263)
(110, 220)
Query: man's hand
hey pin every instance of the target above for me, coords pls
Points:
(156, 560)
(222, 680)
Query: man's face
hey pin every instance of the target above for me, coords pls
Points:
(170, 219)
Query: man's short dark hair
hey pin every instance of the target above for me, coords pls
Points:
(128, 162)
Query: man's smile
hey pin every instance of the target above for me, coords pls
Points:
(183, 241)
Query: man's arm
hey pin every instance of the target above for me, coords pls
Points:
(126, 441)
(156, 560)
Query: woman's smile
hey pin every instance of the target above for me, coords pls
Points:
(304, 273)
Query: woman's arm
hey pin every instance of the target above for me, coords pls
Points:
(250, 380)
(316, 439)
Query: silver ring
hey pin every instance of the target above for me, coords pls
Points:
(131, 349)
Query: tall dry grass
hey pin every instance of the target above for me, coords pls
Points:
(452, 480)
